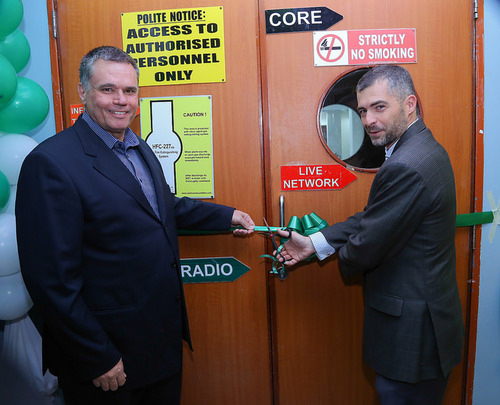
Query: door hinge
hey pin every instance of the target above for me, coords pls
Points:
(475, 10)
(54, 24)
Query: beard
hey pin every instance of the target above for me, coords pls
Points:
(392, 132)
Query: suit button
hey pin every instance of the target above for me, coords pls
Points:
(173, 264)
(178, 298)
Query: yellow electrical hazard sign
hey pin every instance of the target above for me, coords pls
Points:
(176, 46)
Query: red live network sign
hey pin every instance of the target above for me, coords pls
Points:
(315, 177)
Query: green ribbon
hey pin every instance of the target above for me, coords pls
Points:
(306, 226)
(256, 229)
(312, 223)
(476, 218)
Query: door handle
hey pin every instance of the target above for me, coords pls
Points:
(282, 211)
(282, 270)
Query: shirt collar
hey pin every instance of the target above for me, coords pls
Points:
(388, 151)
(130, 138)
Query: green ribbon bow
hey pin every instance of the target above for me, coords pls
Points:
(306, 226)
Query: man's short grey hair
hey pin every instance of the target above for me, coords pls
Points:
(108, 53)
(399, 81)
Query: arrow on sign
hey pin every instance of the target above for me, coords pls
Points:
(300, 19)
(212, 270)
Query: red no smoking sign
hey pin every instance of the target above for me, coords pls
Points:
(362, 47)
(330, 48)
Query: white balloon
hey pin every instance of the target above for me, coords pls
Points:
(13, 149)
(14, 298)
(9, 259)
(10, 207)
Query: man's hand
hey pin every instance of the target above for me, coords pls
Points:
(113, 379)
(296, 249)
(241, 218)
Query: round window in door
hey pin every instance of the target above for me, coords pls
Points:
(340, 127)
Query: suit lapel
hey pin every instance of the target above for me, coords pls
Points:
(162, 191)
(108, 164)
(158, 179)
(417, 127)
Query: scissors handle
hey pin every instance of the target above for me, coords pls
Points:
(261, 228)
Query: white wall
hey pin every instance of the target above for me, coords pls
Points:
(487, 369)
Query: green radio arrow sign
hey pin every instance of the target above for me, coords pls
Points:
(212, 270)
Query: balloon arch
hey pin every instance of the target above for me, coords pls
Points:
(24, 105)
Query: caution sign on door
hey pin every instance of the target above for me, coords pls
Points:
(179, 131)
(364, 47)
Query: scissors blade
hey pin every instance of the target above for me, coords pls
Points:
(267, 225)
(271, 234)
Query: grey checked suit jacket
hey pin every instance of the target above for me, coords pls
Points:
(404, 244)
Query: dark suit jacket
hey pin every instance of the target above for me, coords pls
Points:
(404, 244)
(100, 266)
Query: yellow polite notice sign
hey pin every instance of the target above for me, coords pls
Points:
(176, 46)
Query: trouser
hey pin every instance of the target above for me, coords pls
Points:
(428, 392)
(164, 392)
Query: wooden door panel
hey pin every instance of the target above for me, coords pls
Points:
(317, 320)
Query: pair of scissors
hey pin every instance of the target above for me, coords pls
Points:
(278, 267)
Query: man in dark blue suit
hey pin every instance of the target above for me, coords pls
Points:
(97, 236)
(403, 243)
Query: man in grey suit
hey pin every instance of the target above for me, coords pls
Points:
(403, 243)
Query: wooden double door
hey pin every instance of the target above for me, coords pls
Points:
(261, 340)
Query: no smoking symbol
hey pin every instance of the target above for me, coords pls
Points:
(330, 48)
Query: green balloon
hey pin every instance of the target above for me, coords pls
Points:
(11, 14)
(27, 109)
(16, 48)
(4, 190)
(8, 83)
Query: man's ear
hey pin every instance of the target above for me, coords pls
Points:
(411, 104)
(82, 93)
